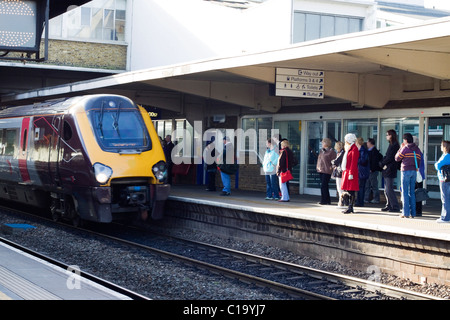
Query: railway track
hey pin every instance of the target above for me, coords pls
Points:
(292, 279)
(297, 281)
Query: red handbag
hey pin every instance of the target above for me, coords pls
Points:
(287, 175)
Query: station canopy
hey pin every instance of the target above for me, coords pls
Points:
(358, 68)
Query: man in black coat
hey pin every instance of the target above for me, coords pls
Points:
(390, 167)
(372, 184)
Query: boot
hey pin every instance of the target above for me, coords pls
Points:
(349, 210)
(351, 201)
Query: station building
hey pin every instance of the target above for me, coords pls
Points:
(384, 65)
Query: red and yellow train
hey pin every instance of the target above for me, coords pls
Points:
(93, 157)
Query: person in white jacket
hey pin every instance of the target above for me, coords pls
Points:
(269, 166)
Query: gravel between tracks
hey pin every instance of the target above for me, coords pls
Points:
(158, 278)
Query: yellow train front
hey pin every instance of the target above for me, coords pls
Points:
(94, 157)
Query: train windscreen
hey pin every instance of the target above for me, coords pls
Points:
(119, 127)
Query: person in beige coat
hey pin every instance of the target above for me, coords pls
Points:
(324, 168)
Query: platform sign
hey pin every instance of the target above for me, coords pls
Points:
(300, 83)
(21, 24)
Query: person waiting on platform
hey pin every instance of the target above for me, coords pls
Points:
(408, 154)
(269, 166)
(390, 167)
(168, 147)
(285, 162)
(337, 170)
(350, 184)
(363, 171)
(372, 184)
(211, 165)
(228, 166)
(444, 186)
(324, 168)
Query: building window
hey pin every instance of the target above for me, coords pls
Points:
(311, 26)
(97, 20)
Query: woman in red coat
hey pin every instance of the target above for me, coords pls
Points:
(350, 182)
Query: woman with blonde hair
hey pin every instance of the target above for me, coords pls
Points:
(285, 162)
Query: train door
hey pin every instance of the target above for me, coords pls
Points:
(22, 156)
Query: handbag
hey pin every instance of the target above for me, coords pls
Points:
(446, 172)
(418, 175)
(421, 194)
(287, 175)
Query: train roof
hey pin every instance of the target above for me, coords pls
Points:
(55, 106)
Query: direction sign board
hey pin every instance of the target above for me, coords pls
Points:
(299, 83)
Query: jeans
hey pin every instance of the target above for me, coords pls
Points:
(389, 192)
(226, 180)
(272, 190)
(284, 190)
(445, 199)
(372, 184)
(408, 195)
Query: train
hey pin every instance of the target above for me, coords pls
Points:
(85, 158)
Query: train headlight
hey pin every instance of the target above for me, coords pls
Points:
(160, 171)
(102, 173)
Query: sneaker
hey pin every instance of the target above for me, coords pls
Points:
(225, 193)
(276, 199)
(269, 198)
(442, 221)
(374, 202)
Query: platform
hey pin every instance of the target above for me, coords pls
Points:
(418, 249)
(306, 207)
(24, 277)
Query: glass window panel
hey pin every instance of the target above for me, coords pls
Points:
(315, 135)
(299, 27)
(326, 26)
(365, 128)
(354, 25)
(312, 27)
(438, 130)
(85, 16)
(341, 25)
(108, 19)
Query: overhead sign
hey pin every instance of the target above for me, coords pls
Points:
(299, 83)
(21, 24)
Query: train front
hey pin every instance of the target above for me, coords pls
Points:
(128, 163)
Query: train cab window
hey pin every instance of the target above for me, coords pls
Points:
(120, 129)
(67, 131)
